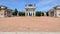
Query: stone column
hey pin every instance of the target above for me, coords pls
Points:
(25, 13)
(49, 14)
(32, 13)
(44, 13)
(54, 13)
(5, 14)
(28, 13)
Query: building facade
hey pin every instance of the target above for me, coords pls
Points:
(30, 10)
(5, 12)
(55, 12)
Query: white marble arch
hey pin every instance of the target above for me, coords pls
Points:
(28, 9)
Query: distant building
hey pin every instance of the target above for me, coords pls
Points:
(5, 12)
(55, 12)
(30, 10)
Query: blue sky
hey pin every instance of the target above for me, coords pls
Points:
(41, 5)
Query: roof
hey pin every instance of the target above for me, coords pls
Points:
(10, 9)
(51, 10)
(30, 7)
(57, 7)
(2, 6)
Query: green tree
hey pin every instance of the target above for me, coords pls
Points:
(15, 12)
(47, 14)
(21, 14)
(42, 13)
(38, 13)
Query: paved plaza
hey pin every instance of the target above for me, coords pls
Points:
(30, 24)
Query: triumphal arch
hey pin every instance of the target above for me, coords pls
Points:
(30, 10)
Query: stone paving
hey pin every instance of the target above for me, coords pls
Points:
(30, 24)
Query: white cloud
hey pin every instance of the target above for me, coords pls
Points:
(44, 2)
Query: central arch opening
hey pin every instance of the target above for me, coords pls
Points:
(30, 13)
(30, 10)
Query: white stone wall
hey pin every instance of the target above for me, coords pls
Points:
(58, 7)
(2, 13)
(58, 13)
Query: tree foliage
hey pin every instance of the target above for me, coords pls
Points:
(47, 14)
(42, 13)
(15, 12)
(38, 13)
(21, 13)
